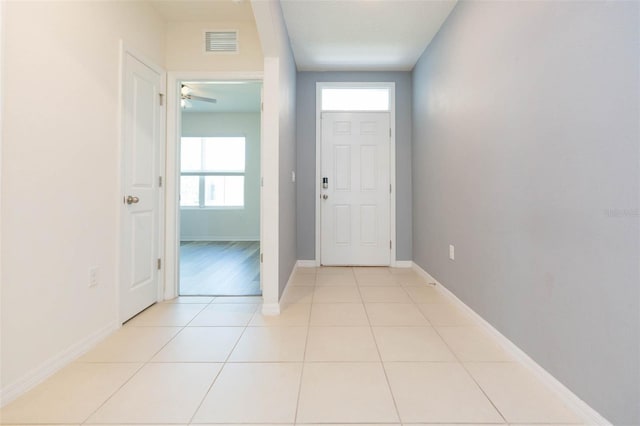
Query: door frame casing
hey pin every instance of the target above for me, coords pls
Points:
(172, 171)
(160, 229)
(391, 86)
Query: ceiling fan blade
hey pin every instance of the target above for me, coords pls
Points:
(200, 98)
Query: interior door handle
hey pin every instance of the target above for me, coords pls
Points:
(132, 200)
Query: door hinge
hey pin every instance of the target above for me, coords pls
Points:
(389, 188)
(389, 131)
(161, 96)
(159, 263)
(160, 181)
(262, 106)
(390, 247)
(261, 257)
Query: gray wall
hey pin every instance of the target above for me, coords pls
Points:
(226, 224)
(287, 160)
(306, 155)
(525, 158)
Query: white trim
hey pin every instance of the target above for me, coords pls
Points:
(53, 365)
(392, 159)
(275, 308)
(588, 414)
(392, 174)
(270, 181)
(427, 276)
(403, 264)
(172, 168)
(2, 84)
(188, 238)
(271, 309)
(261, 195)
(306, 264)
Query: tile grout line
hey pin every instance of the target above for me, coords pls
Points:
(135, 373)
(456, 357)
(464, 367)
(224, 364)
(304, 354)
(311, 304)
(415, 303)
(144, 363)
(384, 370)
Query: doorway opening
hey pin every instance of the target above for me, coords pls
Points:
(219, 187)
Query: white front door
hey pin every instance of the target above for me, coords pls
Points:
(142, 121)
(355, 212)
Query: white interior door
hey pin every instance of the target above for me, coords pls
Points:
(142, 117)
(355, 211)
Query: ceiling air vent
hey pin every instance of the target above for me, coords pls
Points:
(221, 41)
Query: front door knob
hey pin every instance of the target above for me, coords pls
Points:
(325, 196)
(132, 200)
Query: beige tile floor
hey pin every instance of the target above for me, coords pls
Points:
(352, 346)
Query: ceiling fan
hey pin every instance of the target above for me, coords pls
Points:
(186, 97)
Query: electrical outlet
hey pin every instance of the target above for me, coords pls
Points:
(93, 276)
(452, 252)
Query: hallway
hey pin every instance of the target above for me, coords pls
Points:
(352, 345)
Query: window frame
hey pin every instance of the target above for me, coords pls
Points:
(203, 174)
(354, 87)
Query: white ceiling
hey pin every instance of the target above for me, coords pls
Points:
(243, 97)
(204, 10)
(362, 35)
(349, 35)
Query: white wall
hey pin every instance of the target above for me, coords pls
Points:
(185, 48)
(60, 196)
(226, 224)
(279, 151)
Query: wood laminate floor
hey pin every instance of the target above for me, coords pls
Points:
(221, 268)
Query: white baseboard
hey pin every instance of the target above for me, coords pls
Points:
(588, 414)
(199, 239)
(428, 277)
(274, 308)
(315, 263)
(271, 309)
(53, 365)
